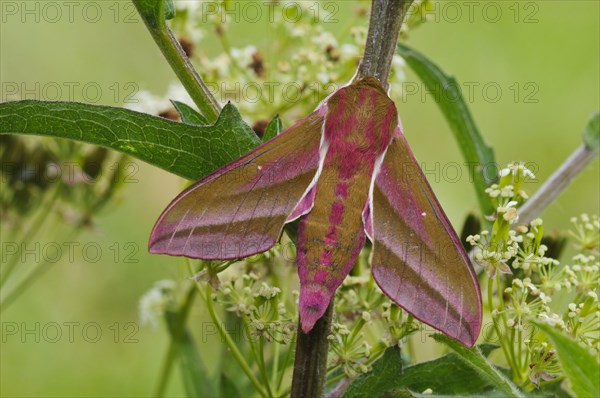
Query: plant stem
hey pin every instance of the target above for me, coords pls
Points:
(310, 365)
(490, 292)
(187, 74)
(176, 333)
(262, 366)
(288, 358)
(384, 27)
(258, 353)
(557, 182)
(179, 61)
(237, 355)
(32, 230)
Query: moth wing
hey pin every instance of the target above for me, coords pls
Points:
(240, 209)
(418, 260)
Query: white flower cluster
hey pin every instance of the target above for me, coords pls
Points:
(261, 306)
(287, 76)
(156, 301)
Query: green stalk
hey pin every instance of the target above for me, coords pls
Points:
(258, 356)
(153, 14)
(336, 378)
(263, 368)
(511, 347)
(275, 364)
(490, 290)
(520, 355)
(516, 369)
(356, 330)
(288, 358)
(174, 344)
(35, 226)
(237, 355)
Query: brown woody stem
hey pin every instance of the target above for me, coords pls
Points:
(384, 27)
(310, 364)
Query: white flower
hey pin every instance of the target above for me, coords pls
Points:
(511, 215)
(177, 92)
(528, 173)
(191, 6)
(398, 65)
(366, 316)
(537, 222)
(348, 51)
(153, 303)
(504, 172)
(145, 101)
(325, 39)
(323, 77)
(243, 55)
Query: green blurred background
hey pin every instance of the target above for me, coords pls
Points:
(553, 45)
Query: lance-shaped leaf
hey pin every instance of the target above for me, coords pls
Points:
(475, 359)
(273, 128)
(155, 12)
(591, 132)
(189, 115)
(581, 367)
(186, 150)
(449, 98)
(447, 375)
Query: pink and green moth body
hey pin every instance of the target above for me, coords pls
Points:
(347, 172)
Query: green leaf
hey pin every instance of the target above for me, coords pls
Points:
(549, 389)
(169, 9)
(189, 115)
(228, 388)
(553, 392)
(186, 150)
(490, 393)
(417, 14)
(194, 373)
(447, 93)
(580, 366)
(196, 379)
(384, 376)
(591, 133)
(154, 12)
(273, 128)
(474, 358)
(447, 375)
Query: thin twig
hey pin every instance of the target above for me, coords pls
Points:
(557, 183)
